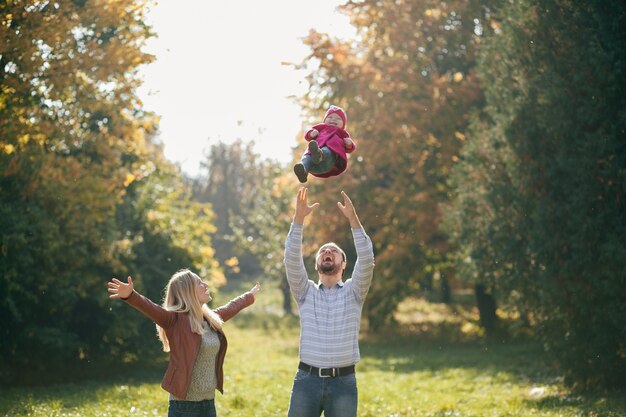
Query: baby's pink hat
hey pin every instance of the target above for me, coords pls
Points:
(339, 111)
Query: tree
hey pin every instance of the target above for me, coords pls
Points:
(74, 142)
(264, 222)
(539, 207)
(231, 177)
(160, 230)
(409, 86)
(253, 200)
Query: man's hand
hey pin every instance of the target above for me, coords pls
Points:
(348, 210)
(302, 206)
(118, 289)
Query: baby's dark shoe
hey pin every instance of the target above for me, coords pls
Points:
(300, 172)
(316, 153)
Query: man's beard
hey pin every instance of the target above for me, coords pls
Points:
(328, 269)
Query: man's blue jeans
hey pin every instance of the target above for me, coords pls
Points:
(204, 408)
(324, 166)
(312, 394)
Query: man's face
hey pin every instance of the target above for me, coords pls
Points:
(329, 260)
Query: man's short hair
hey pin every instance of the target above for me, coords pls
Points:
(331, 244)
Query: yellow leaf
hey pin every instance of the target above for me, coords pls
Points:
(436, 13)
(207, 252)
(232, 262)
(129, 180)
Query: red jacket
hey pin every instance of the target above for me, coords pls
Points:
(185, 344)
(332, 137)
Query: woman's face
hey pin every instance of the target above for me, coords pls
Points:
(202, 291)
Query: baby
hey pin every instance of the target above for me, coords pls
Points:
(329, 146)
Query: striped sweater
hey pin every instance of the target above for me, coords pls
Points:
(329, 317)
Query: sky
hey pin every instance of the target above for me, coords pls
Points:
(219, 73)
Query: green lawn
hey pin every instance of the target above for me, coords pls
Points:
(398, 376)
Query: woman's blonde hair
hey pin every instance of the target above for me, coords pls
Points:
(181, 297)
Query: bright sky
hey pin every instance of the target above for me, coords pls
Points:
(219, 74)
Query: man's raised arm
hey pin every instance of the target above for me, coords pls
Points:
(294, 264)
(364, 267)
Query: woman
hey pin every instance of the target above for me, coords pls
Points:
(192, 334)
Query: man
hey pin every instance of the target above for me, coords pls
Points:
(330, 313)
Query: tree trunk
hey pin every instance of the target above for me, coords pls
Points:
(284, 288)
(446, 294)
(486, 304)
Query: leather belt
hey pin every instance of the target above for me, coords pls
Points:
(326, 372)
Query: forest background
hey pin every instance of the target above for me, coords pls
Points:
(491, 161)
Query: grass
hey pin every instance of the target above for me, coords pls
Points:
(399, 375)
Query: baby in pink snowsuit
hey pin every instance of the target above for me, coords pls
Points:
(329, 146)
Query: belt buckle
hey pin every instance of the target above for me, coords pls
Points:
(325, 376)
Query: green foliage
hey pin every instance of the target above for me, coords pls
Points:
(253, 201)
(84, 193)
(160, 230)
(539, 209)
(232, 176)
(262, 225)
(67, 126)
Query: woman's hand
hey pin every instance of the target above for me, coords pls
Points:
(255, 289)
(118, 289)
